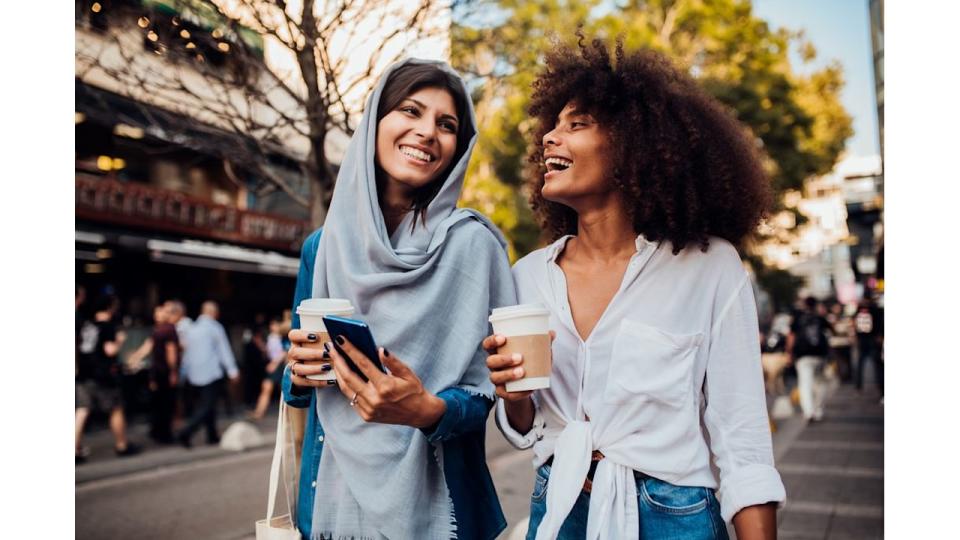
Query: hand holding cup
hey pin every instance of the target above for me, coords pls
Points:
(308, 357)
(504, 368)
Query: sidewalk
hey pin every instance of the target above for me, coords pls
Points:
(833, 471)
(103, 463)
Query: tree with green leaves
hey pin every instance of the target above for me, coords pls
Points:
(798, 119)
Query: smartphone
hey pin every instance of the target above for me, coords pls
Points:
(358, 333)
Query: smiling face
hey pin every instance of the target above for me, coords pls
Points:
(575, 154)
(417, 140)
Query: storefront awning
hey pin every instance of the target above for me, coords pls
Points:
(223, 257)
(194, 253)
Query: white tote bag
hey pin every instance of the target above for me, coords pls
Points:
(278, 527)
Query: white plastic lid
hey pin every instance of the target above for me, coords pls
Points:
(315, 306)
(520, 310)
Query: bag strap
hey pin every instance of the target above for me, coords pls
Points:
(275, 466)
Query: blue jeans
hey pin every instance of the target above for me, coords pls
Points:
(666, 511)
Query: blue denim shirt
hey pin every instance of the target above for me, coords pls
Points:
(461, 430)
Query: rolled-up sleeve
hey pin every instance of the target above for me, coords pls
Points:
(736, 411)
(521, 441)
(295, 396)
(465, 412)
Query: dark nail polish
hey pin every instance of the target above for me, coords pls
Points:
(386, 352)
(326, 367)
(326, 355)
(340, 340)
(311, 337)
(326, 348)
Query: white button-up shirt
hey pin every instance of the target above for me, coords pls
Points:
(673, 362)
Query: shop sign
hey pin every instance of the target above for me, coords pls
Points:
(136, 205)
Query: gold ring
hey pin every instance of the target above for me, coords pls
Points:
(354, 400)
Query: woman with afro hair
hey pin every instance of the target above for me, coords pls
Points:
(655, 423)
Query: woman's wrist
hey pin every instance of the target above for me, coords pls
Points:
(431, 412)
(520, 414)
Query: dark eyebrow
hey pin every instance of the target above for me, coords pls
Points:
(442, 116)
(575, 113)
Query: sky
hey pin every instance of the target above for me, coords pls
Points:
(840, 30)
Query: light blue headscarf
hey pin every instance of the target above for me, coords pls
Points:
(426, 293)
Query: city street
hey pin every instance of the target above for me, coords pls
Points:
(833, 471)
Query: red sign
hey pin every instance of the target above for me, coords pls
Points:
(115, 202)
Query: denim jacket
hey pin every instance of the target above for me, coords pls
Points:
(461, 431)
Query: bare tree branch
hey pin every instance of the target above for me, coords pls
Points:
(250, 110)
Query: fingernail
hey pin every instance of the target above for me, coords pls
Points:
(311, 337)
(326, 367)
(518, 372)
(326, 348)
(386, 352)
(501, 340)
(340, 340)
(331, 383)
(326, 355)
(516, 357)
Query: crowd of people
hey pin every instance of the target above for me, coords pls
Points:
(821, 340)
(178, 375)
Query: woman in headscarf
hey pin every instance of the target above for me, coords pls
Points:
(655, 422)
(402, 455)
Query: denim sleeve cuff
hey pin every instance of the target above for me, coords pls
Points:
(443, 429)
(519, 441)
(748, 486)
(292, 394)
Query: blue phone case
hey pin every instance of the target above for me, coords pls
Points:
(358, 333)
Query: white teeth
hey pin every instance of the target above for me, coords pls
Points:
(416, 154)
(559, 162)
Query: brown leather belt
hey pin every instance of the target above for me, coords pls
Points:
(594, 460)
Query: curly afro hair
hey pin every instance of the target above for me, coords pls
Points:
(687, 168)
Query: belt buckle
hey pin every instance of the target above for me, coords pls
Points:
(588, 481)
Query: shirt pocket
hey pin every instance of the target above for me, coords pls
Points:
(648, 363)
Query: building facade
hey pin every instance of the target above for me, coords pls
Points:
(165, 204)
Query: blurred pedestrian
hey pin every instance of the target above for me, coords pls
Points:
(81, 367)
(808, 347)
(164, 347)
(868, 325)
(841, 340)
(177, 314)
(102, 389)
(206, 356)
(254, 359)
(773, 355)
(276, 355)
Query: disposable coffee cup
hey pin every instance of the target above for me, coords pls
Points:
(311, 312)
(527, 329)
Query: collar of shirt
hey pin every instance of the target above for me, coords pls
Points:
(554, 250)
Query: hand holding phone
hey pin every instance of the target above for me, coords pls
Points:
(358, 333)
(401, 399)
